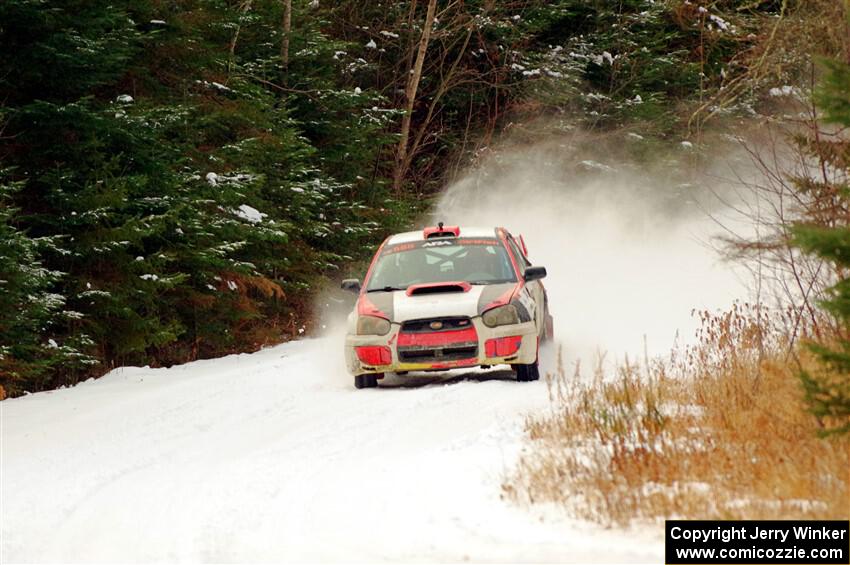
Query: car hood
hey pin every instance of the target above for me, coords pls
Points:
(399, 307)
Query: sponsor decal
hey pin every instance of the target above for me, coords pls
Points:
(478, 242)
(400, 247)
(526, 300)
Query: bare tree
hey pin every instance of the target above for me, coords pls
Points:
(244, 8)
(449, 79)
(402, 161)
(284, 43)
(795, 185)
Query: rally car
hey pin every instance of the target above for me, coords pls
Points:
(444, 298)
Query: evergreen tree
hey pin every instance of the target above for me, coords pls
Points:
(29, 345)
(179, 176)
(828, 391)
(163, 193)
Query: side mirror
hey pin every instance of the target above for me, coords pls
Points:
(534, 273)
(351, 285)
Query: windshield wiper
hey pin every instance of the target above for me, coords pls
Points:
(387, 289)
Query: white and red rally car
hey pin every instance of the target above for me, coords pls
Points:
(444, 298)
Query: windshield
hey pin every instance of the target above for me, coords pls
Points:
(476, 261)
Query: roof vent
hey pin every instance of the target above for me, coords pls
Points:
(440, 231)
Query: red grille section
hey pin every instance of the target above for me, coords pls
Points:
(438, 339)
(442, 343)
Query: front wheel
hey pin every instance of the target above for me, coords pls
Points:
(366, 381)
(527, 373)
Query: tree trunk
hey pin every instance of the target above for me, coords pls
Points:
(284, 44)
(444, 87)
(410, 95)
(231, 61)
(411, 50)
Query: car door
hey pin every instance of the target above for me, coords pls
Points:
(533, 293)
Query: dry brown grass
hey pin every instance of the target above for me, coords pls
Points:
(718, 430)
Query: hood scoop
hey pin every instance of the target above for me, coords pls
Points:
(438, 288)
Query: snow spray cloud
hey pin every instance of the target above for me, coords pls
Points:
(627, 247)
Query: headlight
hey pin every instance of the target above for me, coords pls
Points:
(372, 325)
(501, 316)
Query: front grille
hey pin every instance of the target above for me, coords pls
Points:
(437, 354)
(447, 324)
(436, 340)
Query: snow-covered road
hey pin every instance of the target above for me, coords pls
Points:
(274, 456)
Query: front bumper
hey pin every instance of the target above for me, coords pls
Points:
(525, 354)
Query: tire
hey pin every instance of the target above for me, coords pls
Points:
(527, 373)
(366, 381)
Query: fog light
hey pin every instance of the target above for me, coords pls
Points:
(503, 346)
(374, 355)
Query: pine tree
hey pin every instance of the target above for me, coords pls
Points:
(30, 347)
(828, 391)
(179, 176)
(183, 213)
